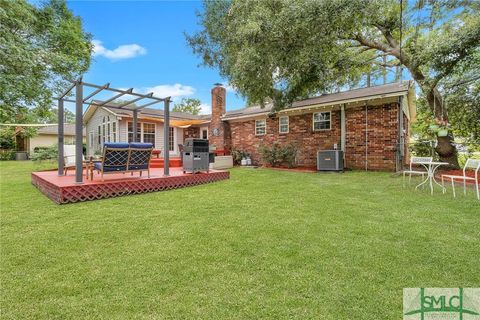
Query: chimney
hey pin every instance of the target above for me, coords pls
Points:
(216, 129)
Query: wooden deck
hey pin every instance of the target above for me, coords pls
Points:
(63, 189)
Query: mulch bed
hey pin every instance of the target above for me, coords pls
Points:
(295, 169)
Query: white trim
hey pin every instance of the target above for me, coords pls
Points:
(254, 115)
(265, 121)
(330, 121)
(347, 101)
(280, 125)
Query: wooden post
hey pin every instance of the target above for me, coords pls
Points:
(61, 119)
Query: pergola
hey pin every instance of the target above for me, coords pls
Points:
(80, 100)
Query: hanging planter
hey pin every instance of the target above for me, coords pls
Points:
(442, 133)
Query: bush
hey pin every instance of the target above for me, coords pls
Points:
(276, 154)
(7, 154)
(45, 153)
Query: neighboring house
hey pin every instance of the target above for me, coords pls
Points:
(46, 137)
(369, 124)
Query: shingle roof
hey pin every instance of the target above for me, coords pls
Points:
(154, 113)
(68, 130)
(355, 94)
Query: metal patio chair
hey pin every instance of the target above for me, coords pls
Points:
(115, 158)
(413, 164)
(139, 158)
(470, 164)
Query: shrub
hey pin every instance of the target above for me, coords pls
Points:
(276, 154)
(7, 154)
(289, 155)
(45, 153)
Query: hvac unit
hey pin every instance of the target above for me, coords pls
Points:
(330, 160)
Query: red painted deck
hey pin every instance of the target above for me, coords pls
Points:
(63, 189)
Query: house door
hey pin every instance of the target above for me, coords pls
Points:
(172, 142)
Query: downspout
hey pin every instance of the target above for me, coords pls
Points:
(343, 132)
(366, 136)
(401, 142)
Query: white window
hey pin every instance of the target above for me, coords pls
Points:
(114, 132)
(145, 132)
(260, 127)
(283, 124)
(322, 121)
(149, 133)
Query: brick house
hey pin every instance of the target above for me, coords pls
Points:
(369, 124)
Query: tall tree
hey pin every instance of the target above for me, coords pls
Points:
(40, 47)
(284, 50)
(188, 105)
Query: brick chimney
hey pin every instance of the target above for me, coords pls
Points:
(217, 130)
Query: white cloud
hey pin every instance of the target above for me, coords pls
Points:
(205, 108)
(229, 87)
(125, 51)
(170, 90)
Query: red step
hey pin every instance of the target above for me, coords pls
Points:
(158, 163)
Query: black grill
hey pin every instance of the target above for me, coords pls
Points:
(196, 145)
(195, 155)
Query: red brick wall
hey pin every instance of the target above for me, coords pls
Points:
(219, 140)
(381, 146)
(300, 132)
(381, 137)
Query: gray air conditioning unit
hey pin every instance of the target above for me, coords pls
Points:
(330, 160)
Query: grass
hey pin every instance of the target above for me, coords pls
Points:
(264, 244)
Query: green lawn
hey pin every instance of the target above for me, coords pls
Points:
(264, 244)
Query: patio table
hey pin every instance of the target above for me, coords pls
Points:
(431, 167)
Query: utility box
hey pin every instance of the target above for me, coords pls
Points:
(330, 160)
(195, 155)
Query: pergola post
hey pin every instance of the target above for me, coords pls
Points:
(61, 119)
(135, 125)
(166, 137)
(79, 132)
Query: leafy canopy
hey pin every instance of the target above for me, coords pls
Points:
(188, 105)
(40, 47)
(283, 50)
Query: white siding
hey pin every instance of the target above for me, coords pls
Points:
(92, 125)
(158, 135)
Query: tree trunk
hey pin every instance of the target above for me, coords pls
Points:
(445, 148)
(446, 151)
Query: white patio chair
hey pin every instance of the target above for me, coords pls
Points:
(69, 157)
(411, 170)
(470, 164)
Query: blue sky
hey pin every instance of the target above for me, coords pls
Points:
(141, 44)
